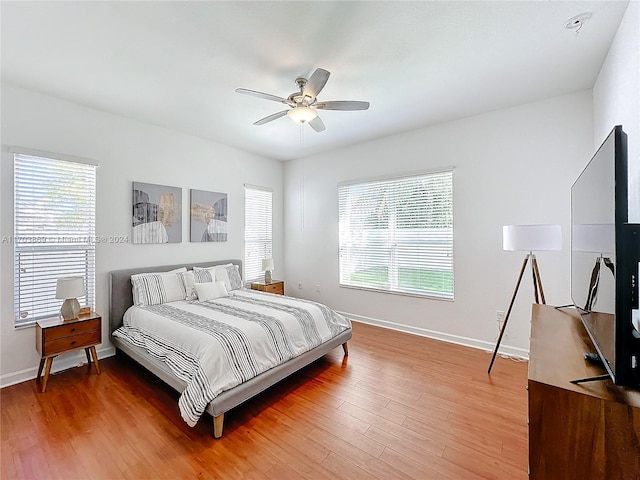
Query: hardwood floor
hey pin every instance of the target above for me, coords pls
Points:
(399, 407)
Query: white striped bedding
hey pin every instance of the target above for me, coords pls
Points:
(215, 345)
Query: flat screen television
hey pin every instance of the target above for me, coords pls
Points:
(605, 259)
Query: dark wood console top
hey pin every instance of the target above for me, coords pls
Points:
(558, 343)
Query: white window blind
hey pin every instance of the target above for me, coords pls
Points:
(396, 234)
(54, 233)
(257, 231)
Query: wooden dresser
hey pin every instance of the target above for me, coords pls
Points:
(589, 431)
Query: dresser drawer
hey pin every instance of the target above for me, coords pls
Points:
(72, 342)
(74, 328)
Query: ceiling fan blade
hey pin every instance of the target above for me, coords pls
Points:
(345, 105)
(266, 96)
(316, 82)
(271, 117)
(317, 125)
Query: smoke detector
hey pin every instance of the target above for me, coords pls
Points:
(576, 23)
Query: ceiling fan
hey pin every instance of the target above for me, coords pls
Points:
(303, 105)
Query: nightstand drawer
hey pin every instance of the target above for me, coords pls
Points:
(74, 328)
(72, 342)
(277, 288)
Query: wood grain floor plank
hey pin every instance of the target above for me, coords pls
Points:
(416, 470)
(412, 445)
(338, 465)
(444, 468)
(281, 471)
(399, 407)
(304, 409)
(486, 466)
(449, 435)
(364, 461)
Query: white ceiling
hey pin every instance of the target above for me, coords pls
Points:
(177, 64)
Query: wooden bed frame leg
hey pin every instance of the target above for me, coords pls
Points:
(345, 347)
(218, 422)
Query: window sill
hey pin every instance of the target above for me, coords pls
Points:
(404, 294)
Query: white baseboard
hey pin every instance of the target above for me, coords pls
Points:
(63, 363)
(445, 337)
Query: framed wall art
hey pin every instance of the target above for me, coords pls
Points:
(208, 216)
(157, 213)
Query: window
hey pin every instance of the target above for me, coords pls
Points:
(54, 233)
(396, 234)
(257, 231)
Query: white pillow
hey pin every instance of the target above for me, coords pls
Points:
(157, 288)
(189, 281)
(222, 276)
(233, 273)
(210, 291)
(204, 274)
(228, 273)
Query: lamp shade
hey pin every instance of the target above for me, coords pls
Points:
(267, 264)
(302, 114)
(531, 237)
(70, 287)
(594, 237)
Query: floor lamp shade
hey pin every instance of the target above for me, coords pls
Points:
(69, 289)
(529, 238)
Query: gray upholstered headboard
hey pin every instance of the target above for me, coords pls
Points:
(121, 297)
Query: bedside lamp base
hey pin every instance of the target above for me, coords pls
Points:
(70, 309)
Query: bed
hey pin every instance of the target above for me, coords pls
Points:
(121, 299)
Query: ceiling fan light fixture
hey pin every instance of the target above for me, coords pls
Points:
(302, 114)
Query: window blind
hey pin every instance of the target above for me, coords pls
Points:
(54, 233)
(258, 204)
(396, 234)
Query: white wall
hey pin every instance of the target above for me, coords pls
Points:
(512, 166)
(127, 151)
(616, 97)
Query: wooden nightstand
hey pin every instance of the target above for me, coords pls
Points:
(276, 286)
(55, 336)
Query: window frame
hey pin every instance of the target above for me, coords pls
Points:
(252, 265)
(344, 266)
(56, 252)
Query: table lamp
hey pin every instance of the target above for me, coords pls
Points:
(528, 238)
(267, 267)
(69, 289)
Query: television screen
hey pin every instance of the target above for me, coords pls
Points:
(605, 251)
(593, 249)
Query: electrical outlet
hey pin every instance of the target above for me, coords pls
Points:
(500, 319)
(317, 288)
(299, 285)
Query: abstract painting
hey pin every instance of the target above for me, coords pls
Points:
(208, 216)
(157, 213)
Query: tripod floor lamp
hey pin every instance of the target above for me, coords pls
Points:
(528, 238)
